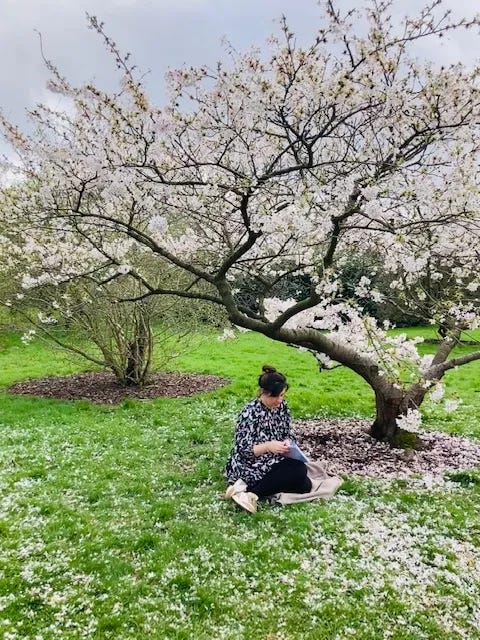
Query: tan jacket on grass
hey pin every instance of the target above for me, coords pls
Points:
(323, 486)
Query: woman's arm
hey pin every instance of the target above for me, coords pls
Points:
(272, 446)
(246, 435)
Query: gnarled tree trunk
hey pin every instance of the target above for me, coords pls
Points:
(392, 402)
(387, 405)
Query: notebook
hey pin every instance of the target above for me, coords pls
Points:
(296, 453)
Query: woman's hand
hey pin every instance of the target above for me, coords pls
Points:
(281, 447)
(278, 446)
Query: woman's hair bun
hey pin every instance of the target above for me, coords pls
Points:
(272, 381)
(268, 369)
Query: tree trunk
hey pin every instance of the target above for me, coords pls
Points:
(388, 404)
(391, 403)
(138, 360)
(139, 350)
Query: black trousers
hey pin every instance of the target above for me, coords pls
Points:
(287, 475)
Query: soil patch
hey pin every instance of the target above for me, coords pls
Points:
(102, 387)
(346, 448)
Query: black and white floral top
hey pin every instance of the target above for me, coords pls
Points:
(256, 424)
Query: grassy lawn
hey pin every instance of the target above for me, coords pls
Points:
(112, 523)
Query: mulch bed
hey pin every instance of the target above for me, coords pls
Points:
(102, 388)
(347, 449)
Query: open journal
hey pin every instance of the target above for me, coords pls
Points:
(296, 453)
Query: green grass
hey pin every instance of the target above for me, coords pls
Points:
(112, 523)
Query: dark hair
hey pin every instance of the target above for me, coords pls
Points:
(272, 381)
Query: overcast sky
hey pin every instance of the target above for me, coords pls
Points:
(159, 34)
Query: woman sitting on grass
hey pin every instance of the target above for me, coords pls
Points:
(257, 466)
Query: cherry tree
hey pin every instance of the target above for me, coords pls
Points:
(282, 162)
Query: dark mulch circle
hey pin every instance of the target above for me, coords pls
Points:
(346, 447)
(102, 388)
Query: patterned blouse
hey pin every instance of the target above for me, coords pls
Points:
(257, 423)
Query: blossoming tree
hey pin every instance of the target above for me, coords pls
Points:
(280, 163)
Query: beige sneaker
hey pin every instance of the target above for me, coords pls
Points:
(247, 500)
(236, 487)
